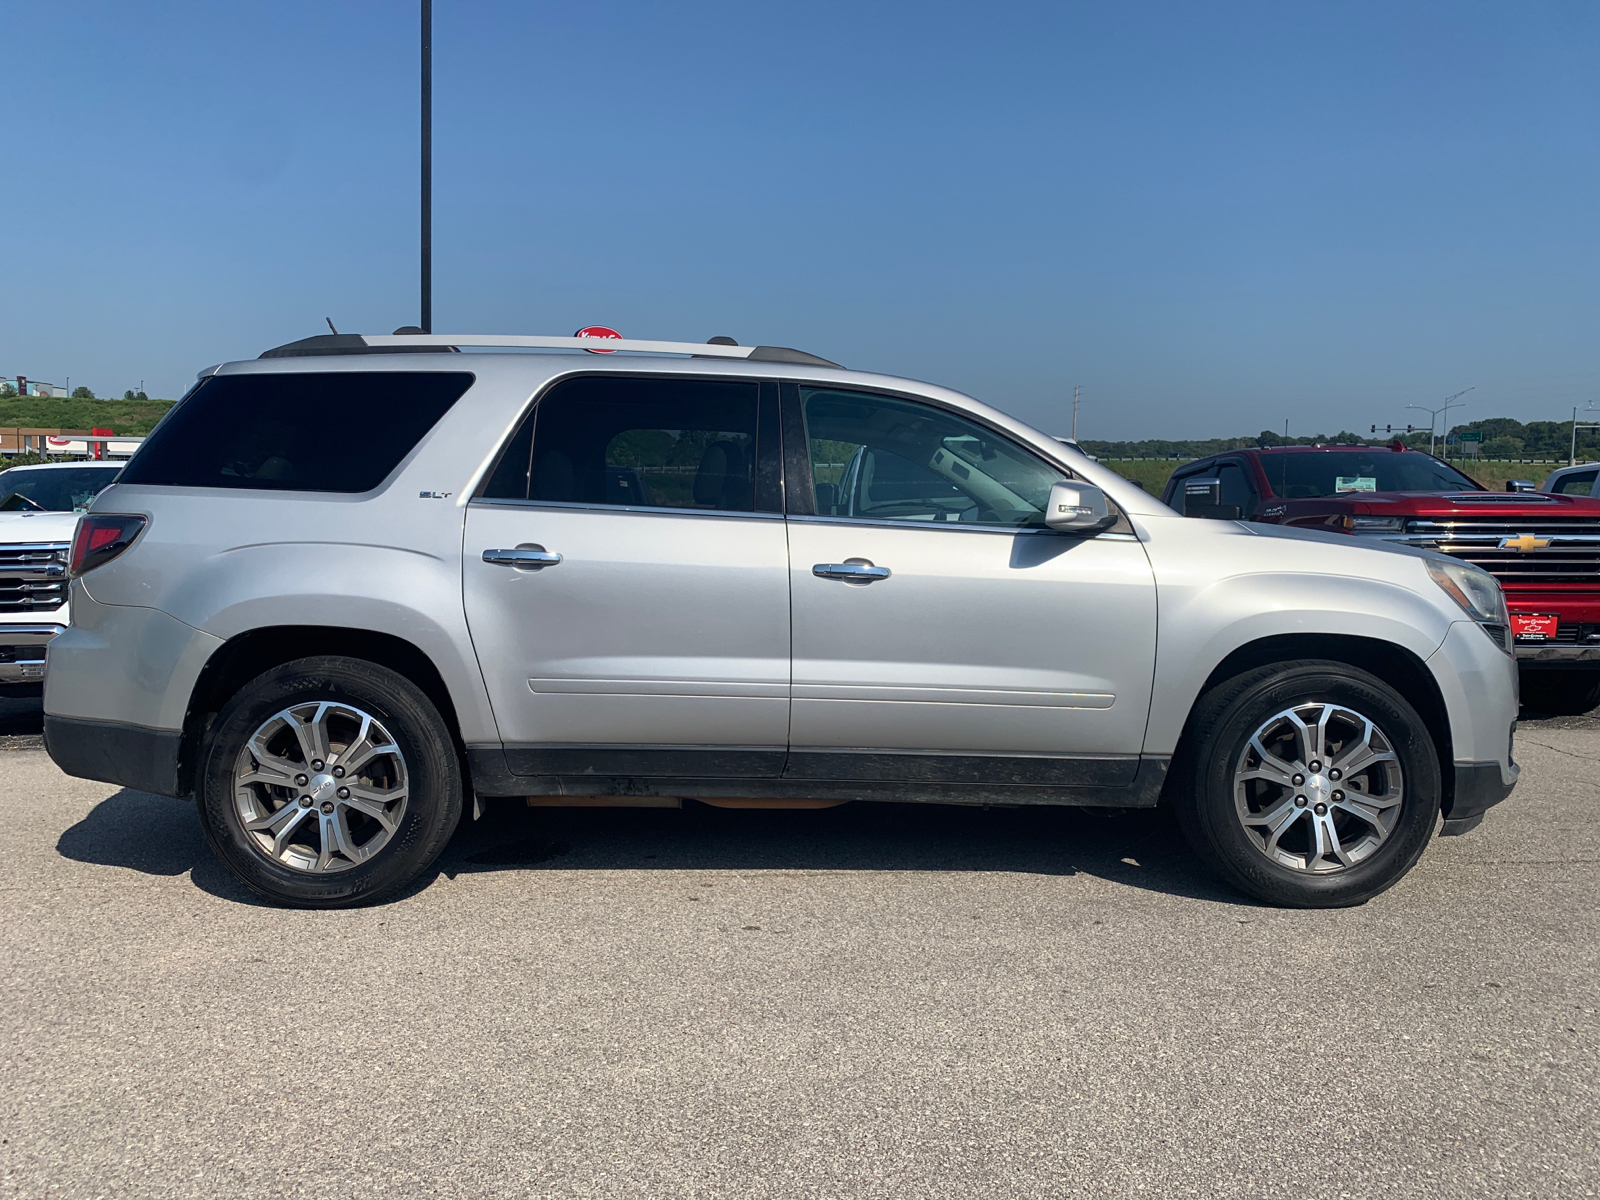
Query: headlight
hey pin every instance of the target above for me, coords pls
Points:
(1478, 592)
(1375, 524)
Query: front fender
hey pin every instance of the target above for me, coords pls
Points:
(1202, 625)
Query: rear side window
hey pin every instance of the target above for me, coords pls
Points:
(339, 431)
(646, 443)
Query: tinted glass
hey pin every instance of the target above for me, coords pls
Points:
(1344, 472)
(890, 459)
(652, 443)
(59, 489)
(1236, 489)
(1579, 483)
(342, 431)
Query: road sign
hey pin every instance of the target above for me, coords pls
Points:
(1472, 435)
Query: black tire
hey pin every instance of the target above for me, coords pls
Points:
(1560, 693)
(1220, 731)
(431, 812)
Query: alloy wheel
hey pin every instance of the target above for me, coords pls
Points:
(320, 787)
(1318, 788)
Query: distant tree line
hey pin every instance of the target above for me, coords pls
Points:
(1507, 438)
(8, 391)
(1503, 437)
(1200, 447)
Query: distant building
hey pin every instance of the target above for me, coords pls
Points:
(64, 443)
(33, 387)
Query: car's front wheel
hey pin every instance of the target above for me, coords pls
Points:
(1309, 784)
(328, 782)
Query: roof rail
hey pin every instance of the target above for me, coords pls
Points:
(415, 343)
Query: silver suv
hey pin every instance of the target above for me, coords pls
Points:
(348, 590)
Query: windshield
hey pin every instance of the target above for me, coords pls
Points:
(1346, 472)
(54, 490)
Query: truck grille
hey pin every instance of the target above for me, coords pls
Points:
(33, 577)
(1510, 548)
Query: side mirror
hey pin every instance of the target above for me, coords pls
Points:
(1203, 498)
(1520, 485)
(1079, 508)
(827, 497)
(1201, 493)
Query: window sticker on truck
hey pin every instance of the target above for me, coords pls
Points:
(1355, 483)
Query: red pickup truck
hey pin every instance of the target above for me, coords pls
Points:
(1544, 549)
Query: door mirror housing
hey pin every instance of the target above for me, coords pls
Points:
(1078, 508)
(1521, 485)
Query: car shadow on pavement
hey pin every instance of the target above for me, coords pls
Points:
(156, 835)
(1140, 848)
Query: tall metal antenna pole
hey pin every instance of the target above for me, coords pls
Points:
(427, 167)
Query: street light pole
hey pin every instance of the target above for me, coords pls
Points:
(1433, 413)
(427, 166)
(1076, 388)
(1572, 456)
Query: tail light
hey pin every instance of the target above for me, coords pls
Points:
(99, 539)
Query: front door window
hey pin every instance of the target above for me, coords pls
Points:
(887, 459)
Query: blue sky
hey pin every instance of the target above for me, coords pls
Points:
(1213, 216)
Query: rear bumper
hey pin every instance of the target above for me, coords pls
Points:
(1479, 787)
(22, 651)
(130, 755)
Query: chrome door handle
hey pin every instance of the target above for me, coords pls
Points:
(850, 572)
(521, 558)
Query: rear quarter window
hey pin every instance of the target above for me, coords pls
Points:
(335, 431)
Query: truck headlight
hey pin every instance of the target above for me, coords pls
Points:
(1478, 593)
(1375, 524)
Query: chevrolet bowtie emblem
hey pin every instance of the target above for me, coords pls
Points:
(1524, 543)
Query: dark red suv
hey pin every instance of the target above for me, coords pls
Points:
(1544, 550)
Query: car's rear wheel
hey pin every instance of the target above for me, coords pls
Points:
(329, 782)
(1310, 784)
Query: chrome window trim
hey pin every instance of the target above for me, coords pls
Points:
(634, 509)
(952, 527)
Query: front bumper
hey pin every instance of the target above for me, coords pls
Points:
(22, 650)
(1479, 787)
(1556, 654)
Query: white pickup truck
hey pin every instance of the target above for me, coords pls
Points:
(39, 507)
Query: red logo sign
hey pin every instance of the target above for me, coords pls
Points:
(597, 331)
(59, 441)
(1540, 627)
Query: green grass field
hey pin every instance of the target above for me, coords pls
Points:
(1153, 472)
(126, 418)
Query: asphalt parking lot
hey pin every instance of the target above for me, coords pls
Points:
(867, 1001)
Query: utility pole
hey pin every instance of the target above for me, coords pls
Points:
(1076, 388)
(427, 166)
(1433, 413)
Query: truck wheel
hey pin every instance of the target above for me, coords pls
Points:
(1310, 784)
(1560, 693)
(328, 782)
